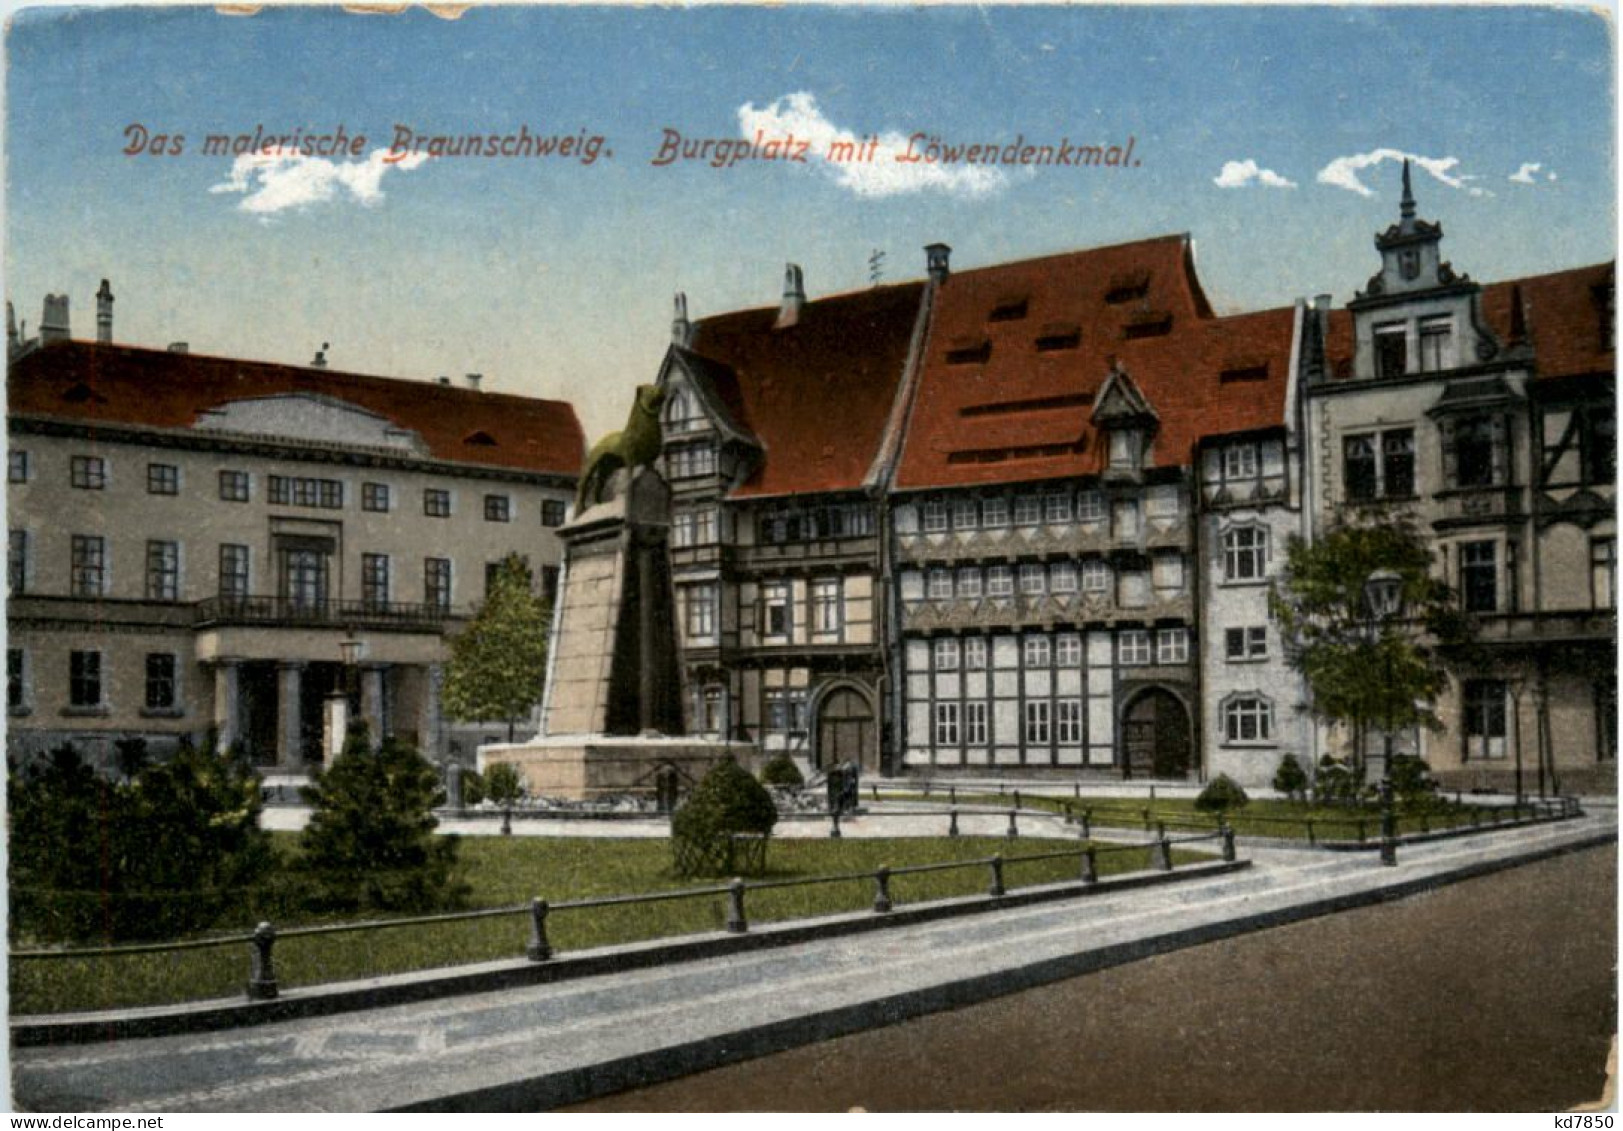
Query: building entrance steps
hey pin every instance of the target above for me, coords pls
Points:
(547, 1045)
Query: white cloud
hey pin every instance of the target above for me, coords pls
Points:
(1524, 175)
(1344, 172)
(1238, 174)
(882, 174)
(272, 184)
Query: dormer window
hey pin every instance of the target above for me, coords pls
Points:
(1058, 336)
(682, 414)
(1391, 349)
(1126, 288)
(1148, 324)
(1010, 310)
(1436, 343)
(968, 352)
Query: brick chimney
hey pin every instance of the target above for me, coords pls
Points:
(53, 327)
(794, 297)
(320, 360)
(474, 379)
(936, 256)
(104, 313)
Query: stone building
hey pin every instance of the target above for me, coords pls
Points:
(196, 542)
(1487, 412)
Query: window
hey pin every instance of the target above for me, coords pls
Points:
(1397, 464)
(825, 597)
(1240, 461)
(1037, 716)
(682, 414)
(1068, 650)
(1476, 451)
(946, 724)
(1162, 502)
(682, 529)
(1484, 718)
(17, 562)
(1172, 646)
(1036, 651)
(1249, 643)
(1132, 589)
(1435, 337)
(974, 651)
(163, 571)
(552, 512)
(1057, 508)
(964, 514)
(1090, 506)
(1245, 554)
(975, 724)
(1062, 577)
(1248, 718)
(995, 512)
(498, 508)
(1378, 465)
(1125, 518)
(163, 479)
(1010, 311)
(1166, 572)
(84, 679)
(701, 611)
(233, 571)
(779, 618)
(16, 466)
(946, 655)
(1358, 475)
(1391, 349)
(375, 580)
(969, 581)
(1028, 510)
(437, 583)
(16, 681)
(1068, 721)
(89, 473)
(301, 491)
(1599, 440)
(688, 460)
(1603, 572)
(1133, 647)
(234, 486)
(1479, 576)
(999, 581)
(785, 710)
(436, 502)
(1095, 576)
(704, 527)
(935, 516)
(160, 681)
(1125, 444)
(938, 584)
(1033, 579)
(375, 497)
(89, 566)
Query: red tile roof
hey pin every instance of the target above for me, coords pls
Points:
(117, 384)
(816, 394)
(1025, 414)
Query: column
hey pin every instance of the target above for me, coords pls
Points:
(372, 677)
(227, 706)
(430, 735)
(289, 756)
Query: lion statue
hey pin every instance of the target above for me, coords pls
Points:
(636, 445)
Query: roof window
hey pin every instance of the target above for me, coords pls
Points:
(1244, 372)
(481, 439)
(1009, 310)
(1058, 336)
(1127, 287)
(968, 352)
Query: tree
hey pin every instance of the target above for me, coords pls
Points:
(370, 841)
(499, 662)
(1361, 671)
(1290, 779)
(726, 801)
(503, 783)
(1221, 794)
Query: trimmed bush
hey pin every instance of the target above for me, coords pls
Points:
(1336, 783)
(1221, 794)
(1412, 784)
(782, 770)
(1290, 779)
(725, 802)
(503, 785)
(473, 787)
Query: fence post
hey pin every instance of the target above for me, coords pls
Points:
(1017, 799)
(881, 897)
(736, 923)
(1087, 824)
(952, 822)
(1228, 843)
(1090, 865)
(507, 821)
(1076, 790)
(952, 795)
(834, 829)
(875, 788)
(1310, 839)
(1389, 837)
(1160, 830)
(1161, 854)
(539, 949)
(261, 967)
(1363, 831)
(1014, 829)
(927, 787)
(996, 864)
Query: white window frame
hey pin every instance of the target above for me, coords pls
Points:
(1234, 554)
(1172, 645)
(1133, 648)
(1251, 707)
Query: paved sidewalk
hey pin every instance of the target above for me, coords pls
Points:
(547, 1045)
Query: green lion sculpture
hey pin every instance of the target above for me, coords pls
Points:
(636, 445)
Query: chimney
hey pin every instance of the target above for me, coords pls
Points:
(320, 360)
(180, 347)
(794, 297)
(474, 379)
(13, 342)
(53, 327)
(935, 262)
(681, 328)
(104, 313)
(442, 379)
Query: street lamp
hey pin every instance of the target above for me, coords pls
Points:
(1383, 594)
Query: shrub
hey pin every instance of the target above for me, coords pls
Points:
(473, 786)
(726, 801)
(370, 841)
(503, 784)
(1290, 779)
(1412, 784)
(1221, 794)
(1335, 783)
(782, 770)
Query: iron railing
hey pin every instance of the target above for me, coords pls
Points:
(325, 612)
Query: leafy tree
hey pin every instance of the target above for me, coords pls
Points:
(499, 662)
(370, 841)
(1290, 779)
(1359, 671)
(503, 783)
(1221, 794)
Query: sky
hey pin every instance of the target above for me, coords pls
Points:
(1272, 135)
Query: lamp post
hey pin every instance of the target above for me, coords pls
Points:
(349, 652)
(1383, 595)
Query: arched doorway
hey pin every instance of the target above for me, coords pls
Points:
(846, 731)
(1155, 736)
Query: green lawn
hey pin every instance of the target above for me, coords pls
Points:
(510, 870)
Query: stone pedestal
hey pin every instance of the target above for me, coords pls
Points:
(580, 768)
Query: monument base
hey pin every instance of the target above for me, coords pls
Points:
(581, 767)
